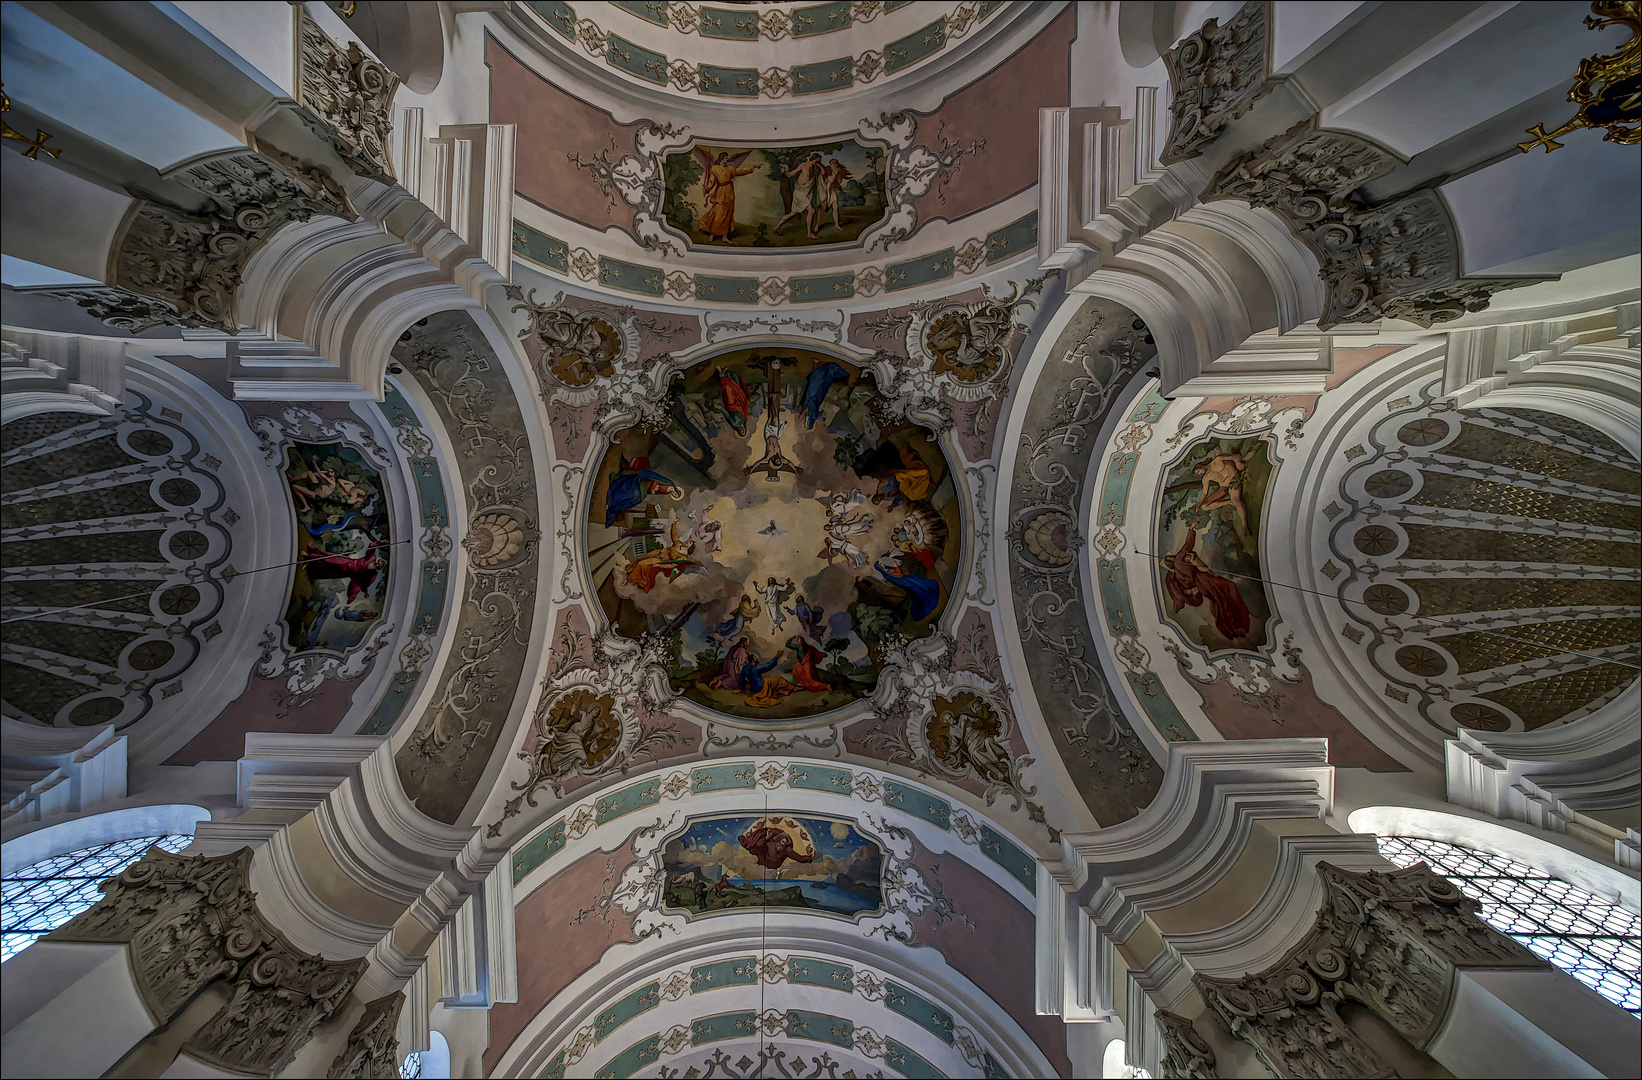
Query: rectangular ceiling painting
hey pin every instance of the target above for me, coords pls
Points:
(775, 196)
(808, 862)
(342, 546)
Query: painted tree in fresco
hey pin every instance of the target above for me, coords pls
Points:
(785, 157)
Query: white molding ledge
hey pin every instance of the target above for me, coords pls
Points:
(1178, 848)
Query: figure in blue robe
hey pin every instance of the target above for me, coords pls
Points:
(752, 676)
(629, 486)
(816, 387)
(925, 593)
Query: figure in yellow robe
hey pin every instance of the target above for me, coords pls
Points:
(718, 191)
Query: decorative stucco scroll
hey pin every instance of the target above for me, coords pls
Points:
(1391, 941)
(1394, 259)
(346, 97)
(187, 922)
(1218, 73)
(442, 762)
(1099, 352)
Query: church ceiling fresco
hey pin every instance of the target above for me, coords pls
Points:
(778, 532)
(887, 854)
(635, 185)
(731, 862)
(1236, 688)
(801, 195)
(1208, 539)
(343, 546)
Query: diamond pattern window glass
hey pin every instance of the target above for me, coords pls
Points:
(45, 895)
(411, 1067)
(1594, 941)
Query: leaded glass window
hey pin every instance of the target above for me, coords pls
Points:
(411, 1067)
(47, 894)
(1594, 941)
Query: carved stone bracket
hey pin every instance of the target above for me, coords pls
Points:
(191, 260)
(1396, 259)
(1389, 941)
(187, 922)
(373, 1048)
(1218, 73)
(346, 97)
(1185, 1053)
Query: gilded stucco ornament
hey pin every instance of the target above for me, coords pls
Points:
(1396, 259)
(1218, 74)
(1618, 102)
(1390, 941)
(597, 718)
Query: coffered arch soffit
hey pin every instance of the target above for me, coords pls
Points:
(1270, 565)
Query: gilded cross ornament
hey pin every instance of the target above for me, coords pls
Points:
(36, 144)
(1607, 87)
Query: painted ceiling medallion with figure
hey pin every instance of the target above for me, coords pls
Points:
(777, 533)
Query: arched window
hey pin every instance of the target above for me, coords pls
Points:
(1115, 1062)
(430, 1064)
(44, 895)
(1590, 939)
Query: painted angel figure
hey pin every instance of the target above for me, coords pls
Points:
(838, 506)
(835, 546)
(718, 190)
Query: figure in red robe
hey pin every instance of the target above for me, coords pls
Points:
(770, 842)
(359, 573)
(805, 671)
(734, 394)
(1190, 581)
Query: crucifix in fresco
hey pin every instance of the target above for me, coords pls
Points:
(774, 462)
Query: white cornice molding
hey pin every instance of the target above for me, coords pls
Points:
(1178, 848)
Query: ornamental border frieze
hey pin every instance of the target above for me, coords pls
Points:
(1009, 244)
(1396, 258)
(741, 83)
(188, 921)
(1092, 363)
(472, 397)
(767, 970)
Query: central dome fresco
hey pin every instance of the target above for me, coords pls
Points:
(777, 532)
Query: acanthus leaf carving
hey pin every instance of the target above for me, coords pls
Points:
(185, 921)
(1390, 941)
(346, 97)
(1218, 73)
(191, 261)
(1186, 1054)
(1393, 259)
(372, 1049)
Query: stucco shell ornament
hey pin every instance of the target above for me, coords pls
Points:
(499, 537)
(1048, 538)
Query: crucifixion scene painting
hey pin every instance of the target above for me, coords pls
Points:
(1208, 543)
(777, 533)
(776, 196)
